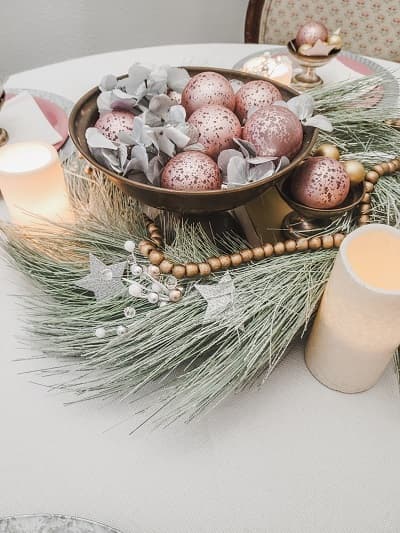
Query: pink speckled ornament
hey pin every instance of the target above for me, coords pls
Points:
(110, 124)
(207, 88)
(217, 127)
(257, 93)
(310, 32)
(320, 182)
(191, 171)
(274, 131)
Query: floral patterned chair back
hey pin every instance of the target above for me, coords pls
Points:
(368, 27)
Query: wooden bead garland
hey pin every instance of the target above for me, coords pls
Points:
(151, 247)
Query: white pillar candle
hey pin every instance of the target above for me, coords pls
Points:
(357, 327)
(32, 182)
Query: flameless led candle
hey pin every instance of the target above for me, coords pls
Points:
(32, 182)
(357, 327)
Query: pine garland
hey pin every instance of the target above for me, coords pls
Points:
(189, 366)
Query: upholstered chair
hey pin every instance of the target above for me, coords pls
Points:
(368, 27)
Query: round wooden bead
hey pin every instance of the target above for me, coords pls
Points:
(385, 167)
(372, 176)
(258, 253)
(88, 170)
(302, 244)
(368, 186)
(225, 261)
(327, 242)
(395, 163)
(365, 209)
(145, 247)
(268, 250)
(236, 259)
(152, 227)
(338, 239)
(279, 248)
(204, 269)
(364, 219)
(166, 266)
(247, 255)
(290, 246)
(157, 242)
(192, 270)
(175, 295)
(392, 167)
(214, 263)
(155, 235)
(379, 170)
(179, 271)
(156, 257)
(366, 198)
(315, 243)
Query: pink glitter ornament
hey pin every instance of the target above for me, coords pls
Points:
(207, 88)
(110, 124)
(320, 182)
(257, 93)
(217, 127)
(274, 131)
(310, 32)
(191, 171)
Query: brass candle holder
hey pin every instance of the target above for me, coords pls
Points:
(3, 132)
(308, 78)
(306, 221)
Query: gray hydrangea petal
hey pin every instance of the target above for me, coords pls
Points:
(302, 106)
(282, 163)
(251, 111)
(237, 171)
(96, 139)
(156, 88)
(225, 156)
(137, 73)
(282, 103)
(236, 85)
(151, 119)
(177, 78)
(154, 170)
(165, 145)
(123, 154)
(108, 82)
(176, 114)
(140, 154)
(195, 146)
(176, 136)
(246, 147)
(108, 158)
(126, 138)
(160, 105)
(320, 122)
(262, 171)
(104, 101)
(258, 160)
(190, 130)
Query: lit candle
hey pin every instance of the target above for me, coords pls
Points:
(32, 182)
(357, 327)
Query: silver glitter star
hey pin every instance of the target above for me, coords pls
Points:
(104, 280)
(219, 297)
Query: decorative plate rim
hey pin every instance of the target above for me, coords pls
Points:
(62, 516)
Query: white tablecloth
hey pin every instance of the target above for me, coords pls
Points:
(293, 457)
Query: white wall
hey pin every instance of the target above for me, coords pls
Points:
(37, 32)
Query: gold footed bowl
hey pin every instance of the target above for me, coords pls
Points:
(85, 113)
(305, 221)
(308, 78)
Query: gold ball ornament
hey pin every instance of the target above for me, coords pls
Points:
(355, 170)
(303, 48)
(328, 150)
(335, 40)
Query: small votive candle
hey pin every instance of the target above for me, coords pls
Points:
(32, 183)
(357, 327)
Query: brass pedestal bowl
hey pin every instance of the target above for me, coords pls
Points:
(306, 221)
(308, 78)
(85, 113)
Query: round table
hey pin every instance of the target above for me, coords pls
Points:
(292, 457)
